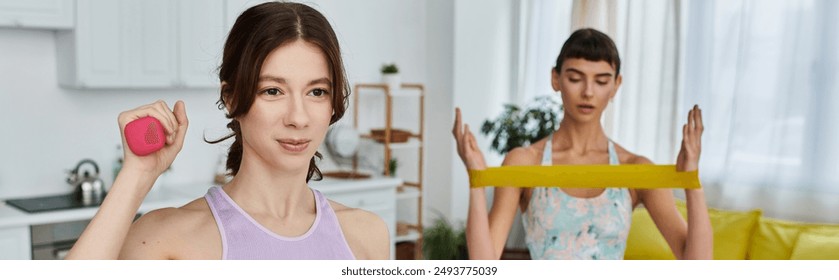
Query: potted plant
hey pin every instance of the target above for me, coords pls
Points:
(443, 242)
(390, 76)
(517, 127)
(392, 165)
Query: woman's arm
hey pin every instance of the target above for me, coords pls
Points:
(696, 239)
(691, 240)
(104, 236)
(486, 233)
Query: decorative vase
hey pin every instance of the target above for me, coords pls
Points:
(393, 81)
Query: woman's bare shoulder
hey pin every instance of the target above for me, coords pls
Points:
(526, 155)
(190, 214)
(366, 233)
(172, 233)
(627, 157)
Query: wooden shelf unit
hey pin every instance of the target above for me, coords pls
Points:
(409, 190)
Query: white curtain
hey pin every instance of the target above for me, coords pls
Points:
(544, 26)
(765, 74)
(644, 115)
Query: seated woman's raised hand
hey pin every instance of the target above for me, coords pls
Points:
(688, 159)
(467, 147)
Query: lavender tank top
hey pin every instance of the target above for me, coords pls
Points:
(242, 238)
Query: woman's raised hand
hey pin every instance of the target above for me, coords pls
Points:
(467, 147)
(174, 122)
(688, 159)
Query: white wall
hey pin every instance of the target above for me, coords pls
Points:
(483, 75)
(440, 47)
(47, 129)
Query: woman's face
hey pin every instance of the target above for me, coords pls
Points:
(586, 87)
(291, 112)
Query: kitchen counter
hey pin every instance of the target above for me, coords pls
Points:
(12, 217)
(176, 196)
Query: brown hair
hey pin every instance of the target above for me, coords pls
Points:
(258, 31)
(592, 45)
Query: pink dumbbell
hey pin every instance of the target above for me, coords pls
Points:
(145, 135)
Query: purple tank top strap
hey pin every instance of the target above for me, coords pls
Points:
(243, 237)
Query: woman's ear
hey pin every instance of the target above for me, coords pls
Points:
(618, 82)
(226, 93)
(555, 79)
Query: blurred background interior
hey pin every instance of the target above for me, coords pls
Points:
(764, 72)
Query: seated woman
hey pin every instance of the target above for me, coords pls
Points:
(583, 223)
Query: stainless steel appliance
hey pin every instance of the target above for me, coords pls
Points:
(49, 203)
(89, 191)
(53, 241)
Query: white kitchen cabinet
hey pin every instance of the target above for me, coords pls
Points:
(95, 53)
(47, 14)
(379, 201)
(119, 44)
(142, 44)
(201, 41)
(15, 243)
(153, 46)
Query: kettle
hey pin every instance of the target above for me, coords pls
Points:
(89, 189)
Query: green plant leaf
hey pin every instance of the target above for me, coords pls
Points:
(516, 127)
(390, 69)
(442, 242)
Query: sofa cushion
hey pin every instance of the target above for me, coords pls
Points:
(645, 242)
(816, 244)
(776, 239)
(773, 239)
(732, 231)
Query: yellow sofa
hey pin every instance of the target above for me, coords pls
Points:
(740, 235)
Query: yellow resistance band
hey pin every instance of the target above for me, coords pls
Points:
(638, 176)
